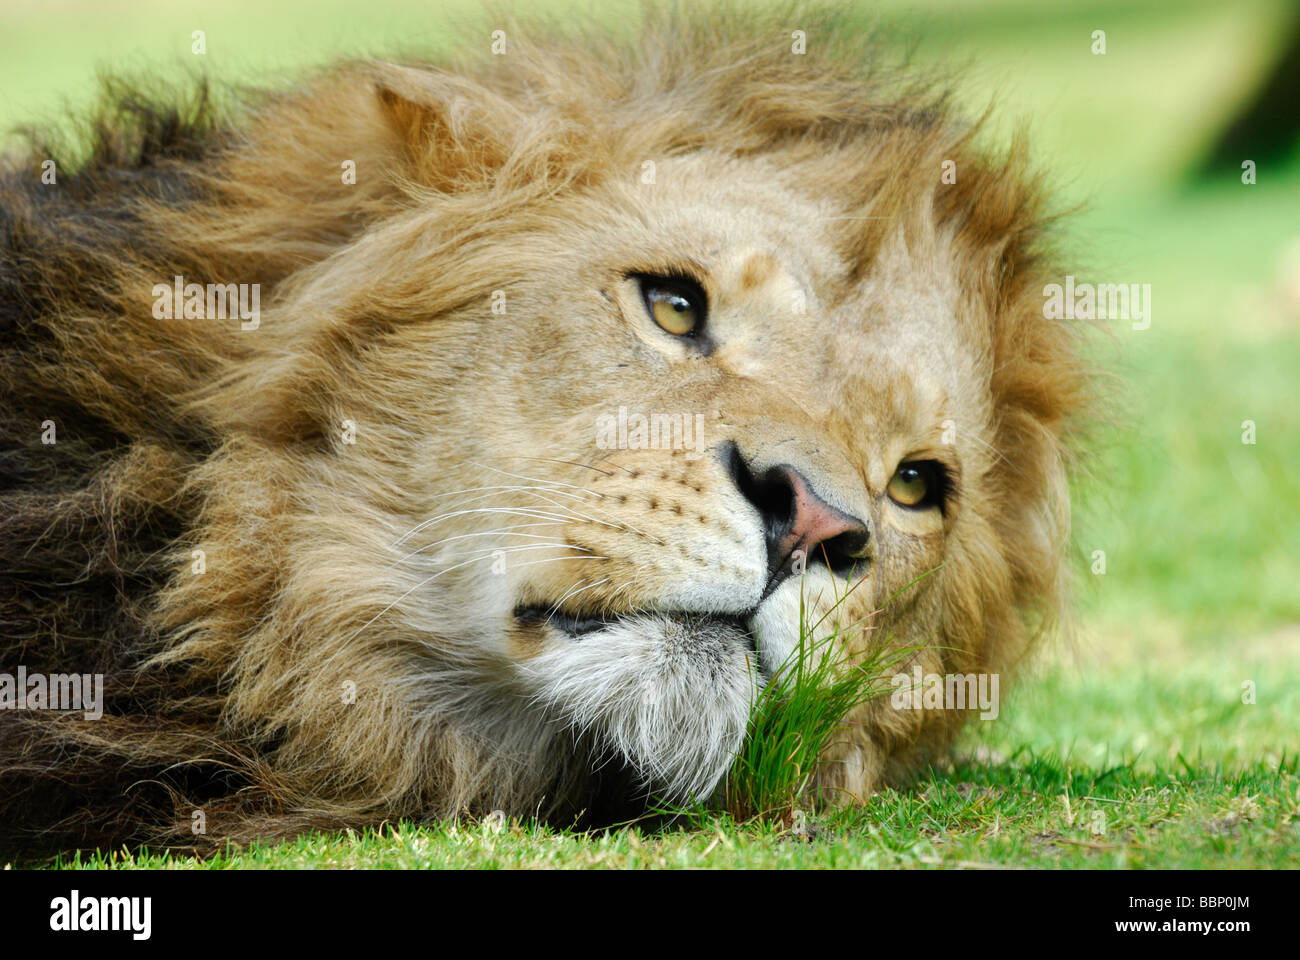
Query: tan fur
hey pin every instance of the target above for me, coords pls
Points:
(334, 565)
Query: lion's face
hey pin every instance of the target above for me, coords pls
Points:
(558, 448)
(807, 429)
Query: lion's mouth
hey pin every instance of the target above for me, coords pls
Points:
(578, 625)
(670, 691)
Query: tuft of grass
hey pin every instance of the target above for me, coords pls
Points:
(795, 717)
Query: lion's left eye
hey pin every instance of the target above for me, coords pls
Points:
(678, 306)
(916, 484)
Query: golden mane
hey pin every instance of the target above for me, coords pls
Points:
(175, 436)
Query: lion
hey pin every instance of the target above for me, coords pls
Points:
(439, 438)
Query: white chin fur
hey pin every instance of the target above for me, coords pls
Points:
(673, 697)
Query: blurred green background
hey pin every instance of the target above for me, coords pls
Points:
(1201, 532)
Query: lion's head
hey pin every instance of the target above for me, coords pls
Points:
(612, 366)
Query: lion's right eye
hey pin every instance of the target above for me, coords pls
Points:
(677, 306)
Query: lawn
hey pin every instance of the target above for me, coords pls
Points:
(1164, 729)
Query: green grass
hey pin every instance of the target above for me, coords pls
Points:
(1024, 811)
(1140, 719)
(1196, 525)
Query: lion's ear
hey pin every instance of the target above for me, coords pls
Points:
(451, 130)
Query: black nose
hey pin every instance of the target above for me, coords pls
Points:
(798, 525)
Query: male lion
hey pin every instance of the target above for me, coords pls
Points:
(431, 439)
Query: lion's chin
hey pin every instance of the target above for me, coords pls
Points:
(671, 694)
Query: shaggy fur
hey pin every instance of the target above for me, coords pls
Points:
(336, 561)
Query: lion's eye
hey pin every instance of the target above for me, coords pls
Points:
(676, 305)
(916, 484)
